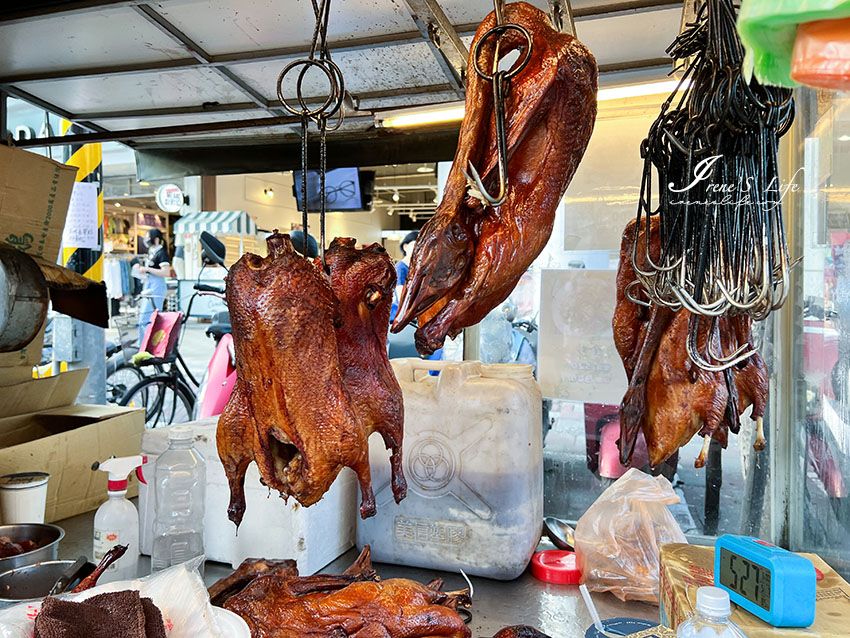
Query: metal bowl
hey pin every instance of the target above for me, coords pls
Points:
(34, 582)
(47, 538)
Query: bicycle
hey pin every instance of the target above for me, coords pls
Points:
(121, 374)
(168, 396)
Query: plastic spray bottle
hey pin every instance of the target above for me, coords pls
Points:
(117, 520)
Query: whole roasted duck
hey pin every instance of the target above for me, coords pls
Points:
(281, 604)
(470, 256)
(669, 397)
(364, 281)
(290, 410)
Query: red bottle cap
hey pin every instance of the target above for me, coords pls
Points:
(556, 566)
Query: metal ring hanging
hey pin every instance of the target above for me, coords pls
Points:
(335, 96)
(499, 30)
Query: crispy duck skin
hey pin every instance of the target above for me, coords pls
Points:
(669, 397)
(469, 257)
(250, 568)
(353, 604)
(364, 281)
(290, 410)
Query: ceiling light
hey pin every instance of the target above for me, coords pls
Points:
(425, 169)
(390, 212)
(396, 196)
(638, 90)
(421, 117)
(413, 217)
(126, 194)
(117, 204)
(844, 138)
(144, 183)
(268, 192)
(454, 112)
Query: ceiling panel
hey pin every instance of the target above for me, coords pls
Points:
(93, 38)
(467, 11)
(389, 67)
(137, 91)
(640, 36)
(223, 26)
(123, 124)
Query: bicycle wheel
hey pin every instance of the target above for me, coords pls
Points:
(121, 379)
(162, 405)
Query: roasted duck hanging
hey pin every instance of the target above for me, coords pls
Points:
(290, 410)
(364, 281)
(470, 255)
(669, 397)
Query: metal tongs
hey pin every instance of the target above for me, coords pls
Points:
(501, 84)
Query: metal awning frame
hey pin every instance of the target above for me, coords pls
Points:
(434, 28)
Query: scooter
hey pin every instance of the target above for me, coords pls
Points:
(220, 376)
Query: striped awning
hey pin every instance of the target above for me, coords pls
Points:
(227, 222)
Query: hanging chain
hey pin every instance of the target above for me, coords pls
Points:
(319, 58)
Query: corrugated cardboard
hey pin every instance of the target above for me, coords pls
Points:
(40, 431)
(685, 568)
(34, 196)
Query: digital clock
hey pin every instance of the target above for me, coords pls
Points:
(772, 583)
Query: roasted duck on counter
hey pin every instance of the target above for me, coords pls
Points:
(470, 256)
(281, 604)
(312, 383)
(669, 397)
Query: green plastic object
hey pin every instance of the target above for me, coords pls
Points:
(768, 29)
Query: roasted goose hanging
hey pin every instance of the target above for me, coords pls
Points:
(523, 135)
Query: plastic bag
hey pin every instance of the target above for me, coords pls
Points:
(617, 540)
(178, 591)
(822, 55)
(768, 29)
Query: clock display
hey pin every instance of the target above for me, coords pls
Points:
(749, 579)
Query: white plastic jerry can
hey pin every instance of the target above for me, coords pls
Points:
(473, 460)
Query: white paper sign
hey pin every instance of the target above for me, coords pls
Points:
(577, 357)
(81, 223)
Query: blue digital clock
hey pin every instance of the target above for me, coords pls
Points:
(772, 583)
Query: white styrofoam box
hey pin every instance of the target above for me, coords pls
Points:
(473, 459)
(313, 536)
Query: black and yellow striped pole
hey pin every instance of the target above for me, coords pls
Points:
(88, 158)
(89, 341)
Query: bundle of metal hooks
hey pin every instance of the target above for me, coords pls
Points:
(318, 59)
(720, 246)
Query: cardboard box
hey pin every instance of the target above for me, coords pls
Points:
(34, 196)
(41, 430)
(685, 568)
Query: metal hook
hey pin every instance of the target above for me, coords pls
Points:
(500, 81)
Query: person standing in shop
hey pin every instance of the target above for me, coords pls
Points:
(155, 271)
(402, 268)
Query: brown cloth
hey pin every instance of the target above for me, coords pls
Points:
(122, 613)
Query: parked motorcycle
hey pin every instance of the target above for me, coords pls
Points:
(220, 376)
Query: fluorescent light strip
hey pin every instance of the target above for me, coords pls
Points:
(454, 113)
(419, 118)
(639, 90)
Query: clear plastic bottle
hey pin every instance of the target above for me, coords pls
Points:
(712, 617)
(180, 487)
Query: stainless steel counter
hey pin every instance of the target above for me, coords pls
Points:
(556, 610)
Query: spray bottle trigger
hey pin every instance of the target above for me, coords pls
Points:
(139, 474)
